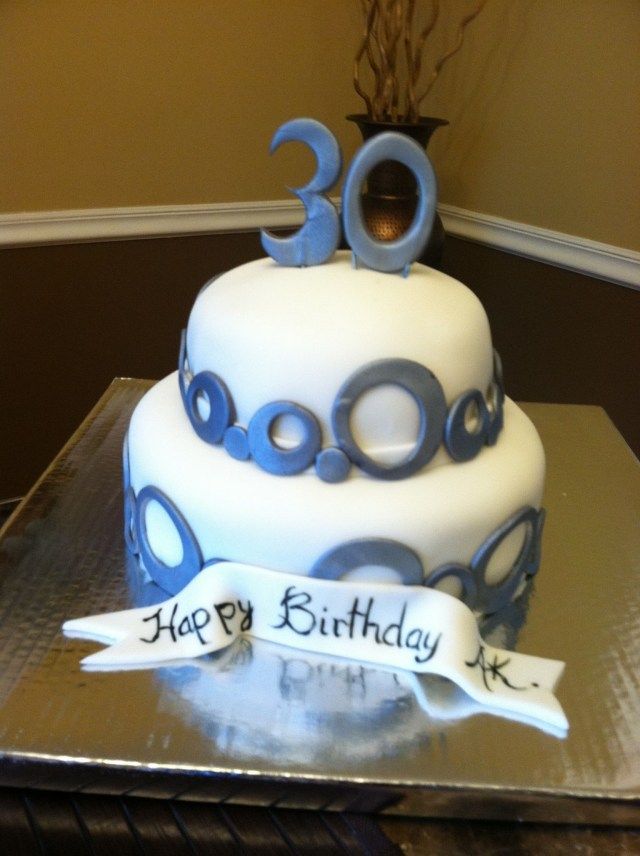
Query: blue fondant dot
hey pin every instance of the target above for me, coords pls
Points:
(236, 442)
(332, 465)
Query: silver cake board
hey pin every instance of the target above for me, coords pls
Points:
(261, 724)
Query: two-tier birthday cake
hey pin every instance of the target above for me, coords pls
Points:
(334, 458)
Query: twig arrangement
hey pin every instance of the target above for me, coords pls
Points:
(394, 54)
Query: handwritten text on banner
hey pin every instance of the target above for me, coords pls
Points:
(407, 627)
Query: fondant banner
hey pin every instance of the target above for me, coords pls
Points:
(407, 627)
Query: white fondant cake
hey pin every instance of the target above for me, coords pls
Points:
(393, 380)
(336, 444)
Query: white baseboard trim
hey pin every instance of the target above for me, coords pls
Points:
(603, 261)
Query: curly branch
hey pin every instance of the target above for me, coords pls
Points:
(414, 62)
(364, 48)
(453, 50)
(390, 51)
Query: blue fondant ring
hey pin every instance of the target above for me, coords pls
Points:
(427, 392)
(221, 411)
(273, 458)
(461, 443)
(383, 552)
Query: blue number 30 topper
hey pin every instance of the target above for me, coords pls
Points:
(319, 237)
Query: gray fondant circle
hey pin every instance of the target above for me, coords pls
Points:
(335, 563)
(271, 457)
(427, 392)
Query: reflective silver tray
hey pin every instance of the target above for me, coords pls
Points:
(262, 724)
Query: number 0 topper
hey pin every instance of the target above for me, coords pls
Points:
(389, 256)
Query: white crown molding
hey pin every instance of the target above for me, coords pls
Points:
(116, 224)
(603, 261)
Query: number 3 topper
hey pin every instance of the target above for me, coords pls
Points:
(319, 237)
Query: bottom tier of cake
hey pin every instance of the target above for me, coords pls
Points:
(472, 528)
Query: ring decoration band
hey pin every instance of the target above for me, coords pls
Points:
(463, 437)
(476, 592)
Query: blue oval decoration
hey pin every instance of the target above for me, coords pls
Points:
(384, 552)
(130, 516)
(495, 421)
(397, 255)
(185, 375)
(532, 562)
(171, 579)
(497, 370)
(126, 468)
(270, 456)
(422, 385)
(496, 390)
(492, 597)
(462, 444)
(319, 237)
(221, 410)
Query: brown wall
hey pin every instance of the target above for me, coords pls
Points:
(83, 314)
(162, 102)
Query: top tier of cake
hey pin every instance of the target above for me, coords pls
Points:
(274, 333)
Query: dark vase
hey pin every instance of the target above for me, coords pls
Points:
(389, 200)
